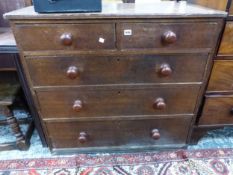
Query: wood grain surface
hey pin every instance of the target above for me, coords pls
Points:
(130, 69)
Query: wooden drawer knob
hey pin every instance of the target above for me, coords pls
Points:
(165, 70)
(83, 137)
(155, 134)
(169, 37)
(159, 103)
(72, 72)
(66, 39)
(77, 106)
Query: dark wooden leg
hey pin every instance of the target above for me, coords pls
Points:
(29, 100)
(14, 125)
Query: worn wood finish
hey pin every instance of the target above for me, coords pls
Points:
(134, 80)
(218, 110)
(97, 69)
(118, 133)
(66, 36)
(121, 101)
(102, 36)
(215, 4)
(221, 79)
(231, 10)
(149, 35)
(226, 45)
(116, 10)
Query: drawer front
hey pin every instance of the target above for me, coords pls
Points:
(119, 133)
(217, 110)
(231, 10)
(226, 45)
(93, 70)
(167, 35)
(117, 101)
(65, 36)
(222, 76)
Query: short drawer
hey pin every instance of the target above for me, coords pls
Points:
(94, 70)
(89, 102)
(226, 45)
(167, 35)
(217, 110)
(135, 133)
(65, 36)
(222, 76)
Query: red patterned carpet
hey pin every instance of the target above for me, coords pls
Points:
(181, 162)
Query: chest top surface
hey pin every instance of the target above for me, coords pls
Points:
(126, 10)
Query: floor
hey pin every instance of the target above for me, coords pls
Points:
(221, 138)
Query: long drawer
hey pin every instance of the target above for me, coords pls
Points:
(217, 110)
(222, 76)
(89, 102)
(94, 70)
(65, 36)
(167, 35)
(150, 132)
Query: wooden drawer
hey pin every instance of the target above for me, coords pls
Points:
(93, 70)
(217, 110)
(167, 35)
(231, 10)
(122, 133)
(222, 76)
(92, 102)
(65, 36)
(226, 45)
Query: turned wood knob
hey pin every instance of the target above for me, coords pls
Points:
(155, 134)
(77, 106)
(165, 70)
(72, 72)
(169, 37)
(159, 103)
(66, 39)
(82, 137)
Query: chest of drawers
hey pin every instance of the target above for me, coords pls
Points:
(124, 79)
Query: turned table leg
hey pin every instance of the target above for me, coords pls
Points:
(14, 125)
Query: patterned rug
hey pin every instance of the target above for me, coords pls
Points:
(181, 162)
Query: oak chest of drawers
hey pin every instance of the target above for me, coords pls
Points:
(131, 77)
